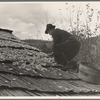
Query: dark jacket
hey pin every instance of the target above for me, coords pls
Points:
(60, 37)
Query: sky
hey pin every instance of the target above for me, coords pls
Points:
(28, 19)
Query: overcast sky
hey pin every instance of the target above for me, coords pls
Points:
(28, 20)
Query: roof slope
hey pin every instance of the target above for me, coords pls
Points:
(22, 74)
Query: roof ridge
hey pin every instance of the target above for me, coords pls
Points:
(7, 30)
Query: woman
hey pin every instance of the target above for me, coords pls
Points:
(65, 46)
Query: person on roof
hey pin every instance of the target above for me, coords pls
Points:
(65, 46)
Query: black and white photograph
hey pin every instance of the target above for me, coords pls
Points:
(50, 49)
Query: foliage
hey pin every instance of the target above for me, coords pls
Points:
(85, 29)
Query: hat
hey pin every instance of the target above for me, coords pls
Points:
(48, 27)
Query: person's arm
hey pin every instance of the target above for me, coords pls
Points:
(56, 37)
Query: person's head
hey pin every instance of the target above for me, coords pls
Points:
(49, 28)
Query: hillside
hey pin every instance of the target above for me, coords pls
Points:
(45, 46)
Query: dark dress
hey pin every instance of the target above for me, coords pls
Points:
(65, 46)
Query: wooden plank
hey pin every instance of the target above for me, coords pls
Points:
(55, 73)
(13, 84)
(30, 72)
(61, 86)
(30, 93)
(89, 78)
(15, 81)
(69, 85)
(42, 73)
(78, 88)
(74, 74)
(48, 74)
(46, 85)
(15, 70)
(4, 92)
(21, 83)
(32, 82)
(18, 92)
(11, 81)
(26, 83)
(6, 68)
(92, 87)
(3, 67)
(4, 82)
(69, 75)
(19, 71)
(41, 84)
(38, 94)
(9, 77)
(89, 69)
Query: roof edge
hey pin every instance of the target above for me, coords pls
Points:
(6, 30)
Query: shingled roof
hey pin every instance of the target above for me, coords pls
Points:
(22, 72)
